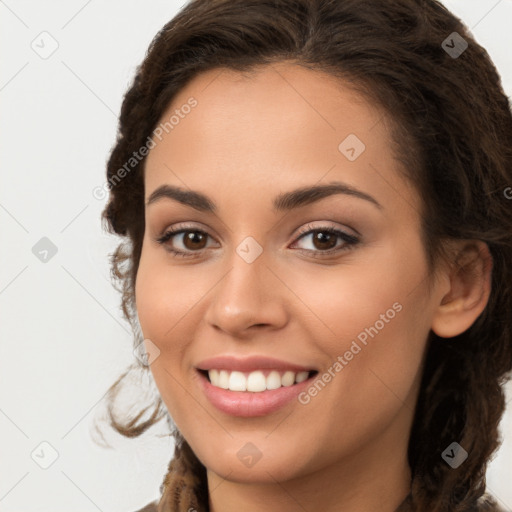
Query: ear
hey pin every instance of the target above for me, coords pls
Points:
(469, 277)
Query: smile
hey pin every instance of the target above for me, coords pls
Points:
(252, 386)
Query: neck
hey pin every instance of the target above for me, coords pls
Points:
(375, 478)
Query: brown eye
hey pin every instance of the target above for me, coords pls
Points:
(194, 240)
(189, 242)
(184, 242)
(324, 241)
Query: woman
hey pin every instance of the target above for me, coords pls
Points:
(313, 195)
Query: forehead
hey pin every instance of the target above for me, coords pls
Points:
(275, 127)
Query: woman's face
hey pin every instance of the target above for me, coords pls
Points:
(264, 295)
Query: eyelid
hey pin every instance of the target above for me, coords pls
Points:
(178, 230)
(327, 224)
(349, 240)
(304, 229)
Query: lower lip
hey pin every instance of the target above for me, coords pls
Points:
(248, 404)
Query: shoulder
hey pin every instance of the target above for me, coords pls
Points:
(487, 503)
(150, 507)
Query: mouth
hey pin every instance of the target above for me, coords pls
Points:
(256, 381)
(256, 391)
(252, 386)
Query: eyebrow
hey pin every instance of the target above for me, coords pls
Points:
(285, 201)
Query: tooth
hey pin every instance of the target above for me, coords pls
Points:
(256, 382)
(237, 382)
(224, 379)
(214, 377)
(301, 376)
(273, 380)
(288, 379)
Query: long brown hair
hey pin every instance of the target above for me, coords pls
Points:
(453, 133)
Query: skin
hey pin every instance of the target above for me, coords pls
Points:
(250, 138)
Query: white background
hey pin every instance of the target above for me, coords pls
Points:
(63, 339)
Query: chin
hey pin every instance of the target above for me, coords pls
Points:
(238, 466)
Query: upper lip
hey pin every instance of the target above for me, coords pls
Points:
(248, 364)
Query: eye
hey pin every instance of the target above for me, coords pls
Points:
(324, 241)
(193, 241)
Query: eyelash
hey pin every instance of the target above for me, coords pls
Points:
(350, 241)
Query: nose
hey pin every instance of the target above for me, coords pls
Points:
(249, 297)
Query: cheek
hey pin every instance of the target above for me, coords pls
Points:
(372, 321)
(366, 310)
(375, 291)
(166, 294)
(168, 301)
